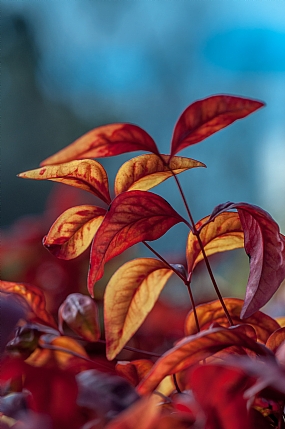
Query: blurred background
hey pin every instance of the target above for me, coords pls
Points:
(70, 66)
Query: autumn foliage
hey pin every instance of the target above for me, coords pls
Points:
(227, 371)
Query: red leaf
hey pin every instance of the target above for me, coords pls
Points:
(108, 140)
(205, 117)
(133, 217)
(265, 247)
(134, 371)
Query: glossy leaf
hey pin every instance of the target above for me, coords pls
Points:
(87, 174)
(265, 247)
(146, 171)
(129, 297)
(135, 370)
(212, 312)
(133, 217)
(80, 313)
(225, 233)
(107, 140)
(193, 349)
(73, 231)
(205, 117)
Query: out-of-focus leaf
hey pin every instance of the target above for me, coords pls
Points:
(265, 247)
(108, 140)
(34, 299)
(135, 370)
(73, 231)
(225, 233)
(281, 321)
(276, 339)
(86, 174)
(146, 171)
(195, 348)
(11, 312)
(133, 217)
(80, 313)
(213, 312)
(130, 295)
(205, 117)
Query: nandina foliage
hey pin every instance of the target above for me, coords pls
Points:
(230, 361)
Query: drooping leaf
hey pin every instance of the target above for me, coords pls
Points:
(205, 117)
(87, 174)
(133, 217)
(225, 233)
(129, 297)
(107, 140)
(73, 231)
(265, 246)
(195, 348)
(135, 370)
(213, 312)
(80, 313)
(146, 171)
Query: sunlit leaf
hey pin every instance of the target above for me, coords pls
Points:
(73, 231)
(225, 233)
(133, 217)
(129, 297)
(135, 370)
(87, 174)
(146, 171)
(195, 348)
(107, 140)
(276, 339)
(205, 117)
(281, 321)
(213, 312)
(265, 247)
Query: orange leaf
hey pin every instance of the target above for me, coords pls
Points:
(193, 349)
(146, 171)
(213, 312)
(225, 233)
(276, 339)
(129, 297)
(134, 371)
(73, 231)
(108, 140)
(87, 174)
(133, 217)
(205, 117)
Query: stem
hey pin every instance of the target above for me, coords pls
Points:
(176, 383)
(133, 349)
(193, 307)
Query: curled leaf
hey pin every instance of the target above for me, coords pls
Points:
(73, 231)
(87, 174)
(129, 297)
(276, 339)
(135, 370)
(205, 117)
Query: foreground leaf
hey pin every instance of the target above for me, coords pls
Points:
(73, 231)
(265, 247)
(107, 140)
(129, 297)
(133, 217)
(88, 175)
(146, 171)
(205, 117)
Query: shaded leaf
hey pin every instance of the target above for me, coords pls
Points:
(205, 117)
(276, 339)
(129, 297)
(107, 140)
(265, 247)
(225, 233)
(87, 174)
(80, 313)
(73, 231)
(135, 370)
(213, 312)
(146, 171)
(133, 217)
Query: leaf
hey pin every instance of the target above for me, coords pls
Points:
(135, 370)
(146, 171)
(87, 174)
(276, 339)
(107, 140)
(225, 233)
(265, 247)
(213, 312)
(80, 313)
(73, 231)
(193, 349)
(133, 217)
(205, 117)
(129, 297)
